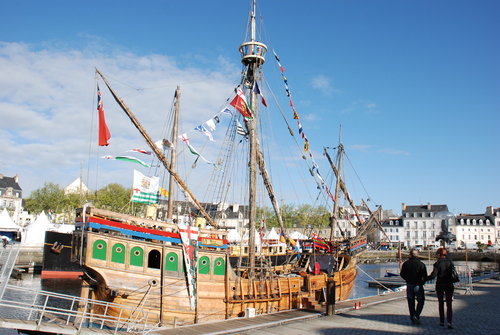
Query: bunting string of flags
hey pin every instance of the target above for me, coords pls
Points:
(127, 159)
(142, 151)
(321, 184)
(240, 103)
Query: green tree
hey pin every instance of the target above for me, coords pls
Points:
(49, 197)
(116, 198)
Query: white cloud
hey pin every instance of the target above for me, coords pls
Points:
(323, 84)
(48, 100)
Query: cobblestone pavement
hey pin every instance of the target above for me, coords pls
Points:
(475, 313)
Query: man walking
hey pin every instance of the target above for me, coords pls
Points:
(414, 272)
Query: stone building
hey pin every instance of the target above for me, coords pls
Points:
(473, 228)
(394, 232)
(11, 196)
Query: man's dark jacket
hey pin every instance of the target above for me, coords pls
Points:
(413, 270)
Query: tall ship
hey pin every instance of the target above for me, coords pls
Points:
(195, 273)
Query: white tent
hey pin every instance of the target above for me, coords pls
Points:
(35, 232)
(272, 235)
(298, 236)
(7, 226)
(6, 223)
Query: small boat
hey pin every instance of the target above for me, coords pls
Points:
(389, 280)
(386, 282)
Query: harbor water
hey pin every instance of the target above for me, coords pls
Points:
(72, 286)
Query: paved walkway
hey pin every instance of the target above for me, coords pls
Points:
(475, 313)
(472, 314)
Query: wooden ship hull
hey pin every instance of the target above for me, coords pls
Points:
(124, 266)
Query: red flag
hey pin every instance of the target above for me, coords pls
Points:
(239, 102)
(104, 134)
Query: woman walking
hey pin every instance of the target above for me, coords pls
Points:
(444, 285)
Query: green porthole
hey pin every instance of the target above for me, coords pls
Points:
(136, 256)
(99, 250)
(219, 266)
(204, 265)
(118, 253)
(172, 262)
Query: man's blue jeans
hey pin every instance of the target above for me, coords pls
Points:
(412, 292)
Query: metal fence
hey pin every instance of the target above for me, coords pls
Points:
(44, 308)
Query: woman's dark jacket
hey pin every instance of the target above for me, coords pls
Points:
(442, 270)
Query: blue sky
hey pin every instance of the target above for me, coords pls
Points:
(415, 84)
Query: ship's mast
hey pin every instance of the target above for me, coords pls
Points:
(173, 157)
(253, 54)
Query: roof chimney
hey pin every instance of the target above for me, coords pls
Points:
(16, 178)
(403, 205)
(489, 210)
(428, 206)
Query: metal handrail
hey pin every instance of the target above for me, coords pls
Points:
(78, 312)
(8, 258)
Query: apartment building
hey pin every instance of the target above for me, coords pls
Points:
(420, 224)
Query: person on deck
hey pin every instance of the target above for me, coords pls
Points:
(444, 285)
(414, 273)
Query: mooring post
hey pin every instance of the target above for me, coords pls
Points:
(330, 298)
